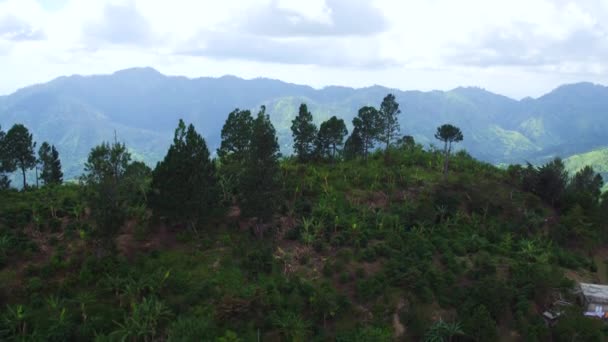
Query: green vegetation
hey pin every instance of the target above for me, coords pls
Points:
(348, 246)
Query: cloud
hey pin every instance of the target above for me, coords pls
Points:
(15, 29)
(569, 34)
(336, 18)
(325, 51)
(527, 48)
(120, 24)
(337, 33)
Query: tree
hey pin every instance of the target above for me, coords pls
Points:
(184, 182)
(304, 133)
(236, 135)
(330, 137)
(261, 178)
(585, 188)
(50, 163)
(406, 142)
(367, 124)
(19, 147)
(551, 181)
(105, 169)
(480, 325)
(449, 134)
(353, 147)
(388, 120)
(6, 164)
(234, 150)
(442, 331)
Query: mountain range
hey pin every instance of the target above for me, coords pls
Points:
(141, 107)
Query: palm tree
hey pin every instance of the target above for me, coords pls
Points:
(143, 322)
(291, 326)
(443, 331)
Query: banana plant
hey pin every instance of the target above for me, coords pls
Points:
(15, 319)
(143, 322)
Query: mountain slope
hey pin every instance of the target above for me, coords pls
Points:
(143, 106)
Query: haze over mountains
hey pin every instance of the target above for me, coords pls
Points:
(143, 106)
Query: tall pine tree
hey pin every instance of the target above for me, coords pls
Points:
(233, 151)
(104, 188)
(304, 133)
(388, 129)
(6, 164)
(261, 180)
(353, 147)
(331, 137)
(367, 123)
(184, 183)
(50, 164)
(20, 149)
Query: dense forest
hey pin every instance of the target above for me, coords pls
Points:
(359, 236)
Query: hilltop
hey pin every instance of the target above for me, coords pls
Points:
(142, 106)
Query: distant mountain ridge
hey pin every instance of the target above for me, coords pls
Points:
(143, 106)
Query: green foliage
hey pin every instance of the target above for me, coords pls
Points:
(575, 326)
(105, 192)
(480, 325)
(304, 133)
(354, 146)
(185, 184)
(19, 149)
(443, 331)
(448, 134)
(330, 138)
(388, 120)
(261, 178)
(367, 125)
(48, 157)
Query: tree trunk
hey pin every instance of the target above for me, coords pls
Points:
(24, 183)
(37, 185)
(447, 160)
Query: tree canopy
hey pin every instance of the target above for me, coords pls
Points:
(184, 183)
(261, 179)
(448, 134)
(331, 137)
(388, 117)
(50, 164)
(304, 133)
(19, 149)
(368, 126)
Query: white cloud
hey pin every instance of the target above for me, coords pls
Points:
(517, 47)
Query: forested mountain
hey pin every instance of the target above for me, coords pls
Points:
(142, 106)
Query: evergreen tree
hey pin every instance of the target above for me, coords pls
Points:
(551, 181)
(585, 188)
(105, 169)
(261, 179)
(353, 147)
(50, 164)
(6, 164)
(236, 136)
(184, 183)
(19, 147)
(234, 150)
(480, 325)
(331, 137)
(449, 134)
(304, 133)
(388, 120)
(367, 123)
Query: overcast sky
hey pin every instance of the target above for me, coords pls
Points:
(517, 47)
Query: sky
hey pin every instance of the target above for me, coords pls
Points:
(517, 48)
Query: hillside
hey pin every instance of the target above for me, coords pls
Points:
(355, 251)
(598, 159)
(141, 106)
